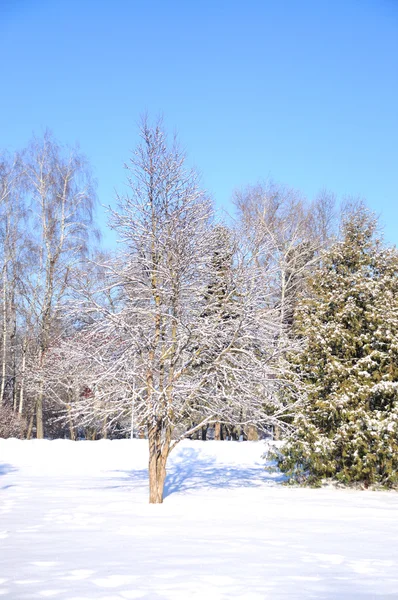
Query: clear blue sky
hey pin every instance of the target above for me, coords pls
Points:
(301, 91)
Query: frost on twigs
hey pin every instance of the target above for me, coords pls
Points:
(11, 423)
(181, 331)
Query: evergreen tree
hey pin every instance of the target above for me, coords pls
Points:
(347, 428)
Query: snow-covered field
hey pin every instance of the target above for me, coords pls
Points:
(75, 525)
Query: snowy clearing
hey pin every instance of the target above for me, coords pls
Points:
(75, 525)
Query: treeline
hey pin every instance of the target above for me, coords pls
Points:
(283, 319)
(46, 227)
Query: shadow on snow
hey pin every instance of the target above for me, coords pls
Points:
(6, 468)
(190, 471)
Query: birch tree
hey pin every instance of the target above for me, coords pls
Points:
(12, 243)
(292, 232)
(162, 349)
(62, 202)
(285, 235)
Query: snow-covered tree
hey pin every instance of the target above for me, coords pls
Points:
(12, 243)
(294, 232)
(62, 200)
(175, 349)
(348, 427)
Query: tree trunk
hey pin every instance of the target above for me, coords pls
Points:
(72, 431)
(13, 338)
(252, 433)
(105, 428)
(217, 431)
(39, 413)
(21, 390)
(277, 433)
(158, 453)
(39, 399)
(4, 335)
(30, 427)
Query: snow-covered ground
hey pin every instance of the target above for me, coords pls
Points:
(75, 525)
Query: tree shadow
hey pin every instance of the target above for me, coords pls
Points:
(190, 471)
(6, 468)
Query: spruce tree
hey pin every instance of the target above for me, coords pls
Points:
(347, 428)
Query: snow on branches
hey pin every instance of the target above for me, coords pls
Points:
(183, 331)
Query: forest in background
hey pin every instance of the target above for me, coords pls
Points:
(280, 321)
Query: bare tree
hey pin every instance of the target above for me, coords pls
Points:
(74, 370)
(292, 232)
(11, 423)
(62, 203)
(162, 349)
(285, 236)
(323, 218)
(12, 242)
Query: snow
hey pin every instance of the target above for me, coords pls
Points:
(75, 525)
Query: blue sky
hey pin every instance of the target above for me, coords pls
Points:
(301, 91)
